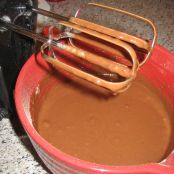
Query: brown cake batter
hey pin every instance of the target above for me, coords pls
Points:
(131, 128)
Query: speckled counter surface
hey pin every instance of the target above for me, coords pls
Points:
(16, 153)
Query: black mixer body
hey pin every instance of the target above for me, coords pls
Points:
(15, 49)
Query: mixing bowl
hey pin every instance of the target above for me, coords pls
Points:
(159, 70)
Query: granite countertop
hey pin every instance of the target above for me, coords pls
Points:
(16, 152)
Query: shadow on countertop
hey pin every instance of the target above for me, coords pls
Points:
(24, 139)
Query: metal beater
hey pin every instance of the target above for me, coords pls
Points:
(88, 33)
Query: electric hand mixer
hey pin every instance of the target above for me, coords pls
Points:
(119, 74)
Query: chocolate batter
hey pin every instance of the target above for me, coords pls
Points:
(131, 128)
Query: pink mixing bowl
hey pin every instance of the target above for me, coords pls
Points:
(159, 70)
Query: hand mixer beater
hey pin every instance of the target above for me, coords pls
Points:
(89, 44)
